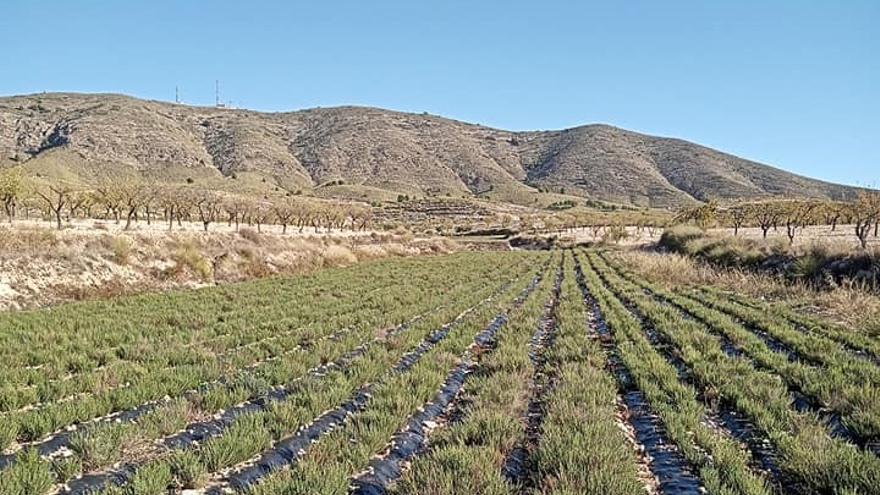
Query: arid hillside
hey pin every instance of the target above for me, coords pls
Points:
(81, 137)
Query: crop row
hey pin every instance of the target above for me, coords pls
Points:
(285, 369)
(843, 383)
(583, 449)
(396, 405)
(722, 464)
(472, 453)
(179, 346)
(225, 443)
(386, 308)
(810, 460)
(82, 335)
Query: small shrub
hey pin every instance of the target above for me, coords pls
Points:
(187, 470)
(338, 256)
(66, 468)
(251, 235)
(188, 256)
(151, 480)
(676, 239)
(29, 474)
(8, 432)
(121, 247)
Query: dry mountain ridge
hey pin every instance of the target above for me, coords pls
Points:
(84, 136)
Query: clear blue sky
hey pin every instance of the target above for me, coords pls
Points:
(791, 83)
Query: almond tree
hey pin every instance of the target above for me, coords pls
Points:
(108, 195)
(738, 216)
(361, 216)
(131, 196)
(305, 214)
(169, 200)
(11, 190)
(333, 215)
(766, 215)
(79, 201)
(703, 215)
(208, 204)
(56, 197)
(236, 207)
(865, 213)
(285, 210)
(260, 214)
(150, 197)
(831, 213)
(797, 214)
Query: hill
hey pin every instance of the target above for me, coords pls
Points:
(372, 153)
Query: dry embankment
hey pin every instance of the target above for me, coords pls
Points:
(39, 266)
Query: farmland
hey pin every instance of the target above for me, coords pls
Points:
(548, 372)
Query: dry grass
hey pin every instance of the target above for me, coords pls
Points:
(848, 303)
(40, 266)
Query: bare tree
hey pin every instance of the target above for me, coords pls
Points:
(208, 204)
(56, 197)
(130, 195)
(864, 214)
(261, 213)
(108, 195)
(797, 214)
(285, 211)
(361, 216)
(766, 215)
(151, 194)
(236, 207)
(738, 216)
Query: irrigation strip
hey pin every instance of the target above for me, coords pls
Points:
(801, 401)
(665, 461)
(202, 431)
(412, 439)
(515, 467)
(55, 443)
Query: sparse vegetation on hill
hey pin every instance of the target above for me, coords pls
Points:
(365, 153)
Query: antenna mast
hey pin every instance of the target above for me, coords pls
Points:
(176, 95)
(217, 93)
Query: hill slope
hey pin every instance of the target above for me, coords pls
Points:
(91, 135)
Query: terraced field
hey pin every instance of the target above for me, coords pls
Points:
(484, 373)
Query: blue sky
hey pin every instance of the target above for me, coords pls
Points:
(795, 84)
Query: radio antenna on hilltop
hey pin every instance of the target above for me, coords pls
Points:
(217, 94)
(176, 95)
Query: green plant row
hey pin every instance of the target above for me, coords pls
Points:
(845, 384)
(82, 336)
(328, 466)
(811, 347)
(311, 395)
(386, 308)
(102, 440)
(809, 458)
(582, 449)
(468, 455)
(74, 336)
(184, 345)
(852, 338)
(722, 463)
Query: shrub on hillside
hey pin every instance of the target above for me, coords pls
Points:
(676, 238)
(121, 248)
